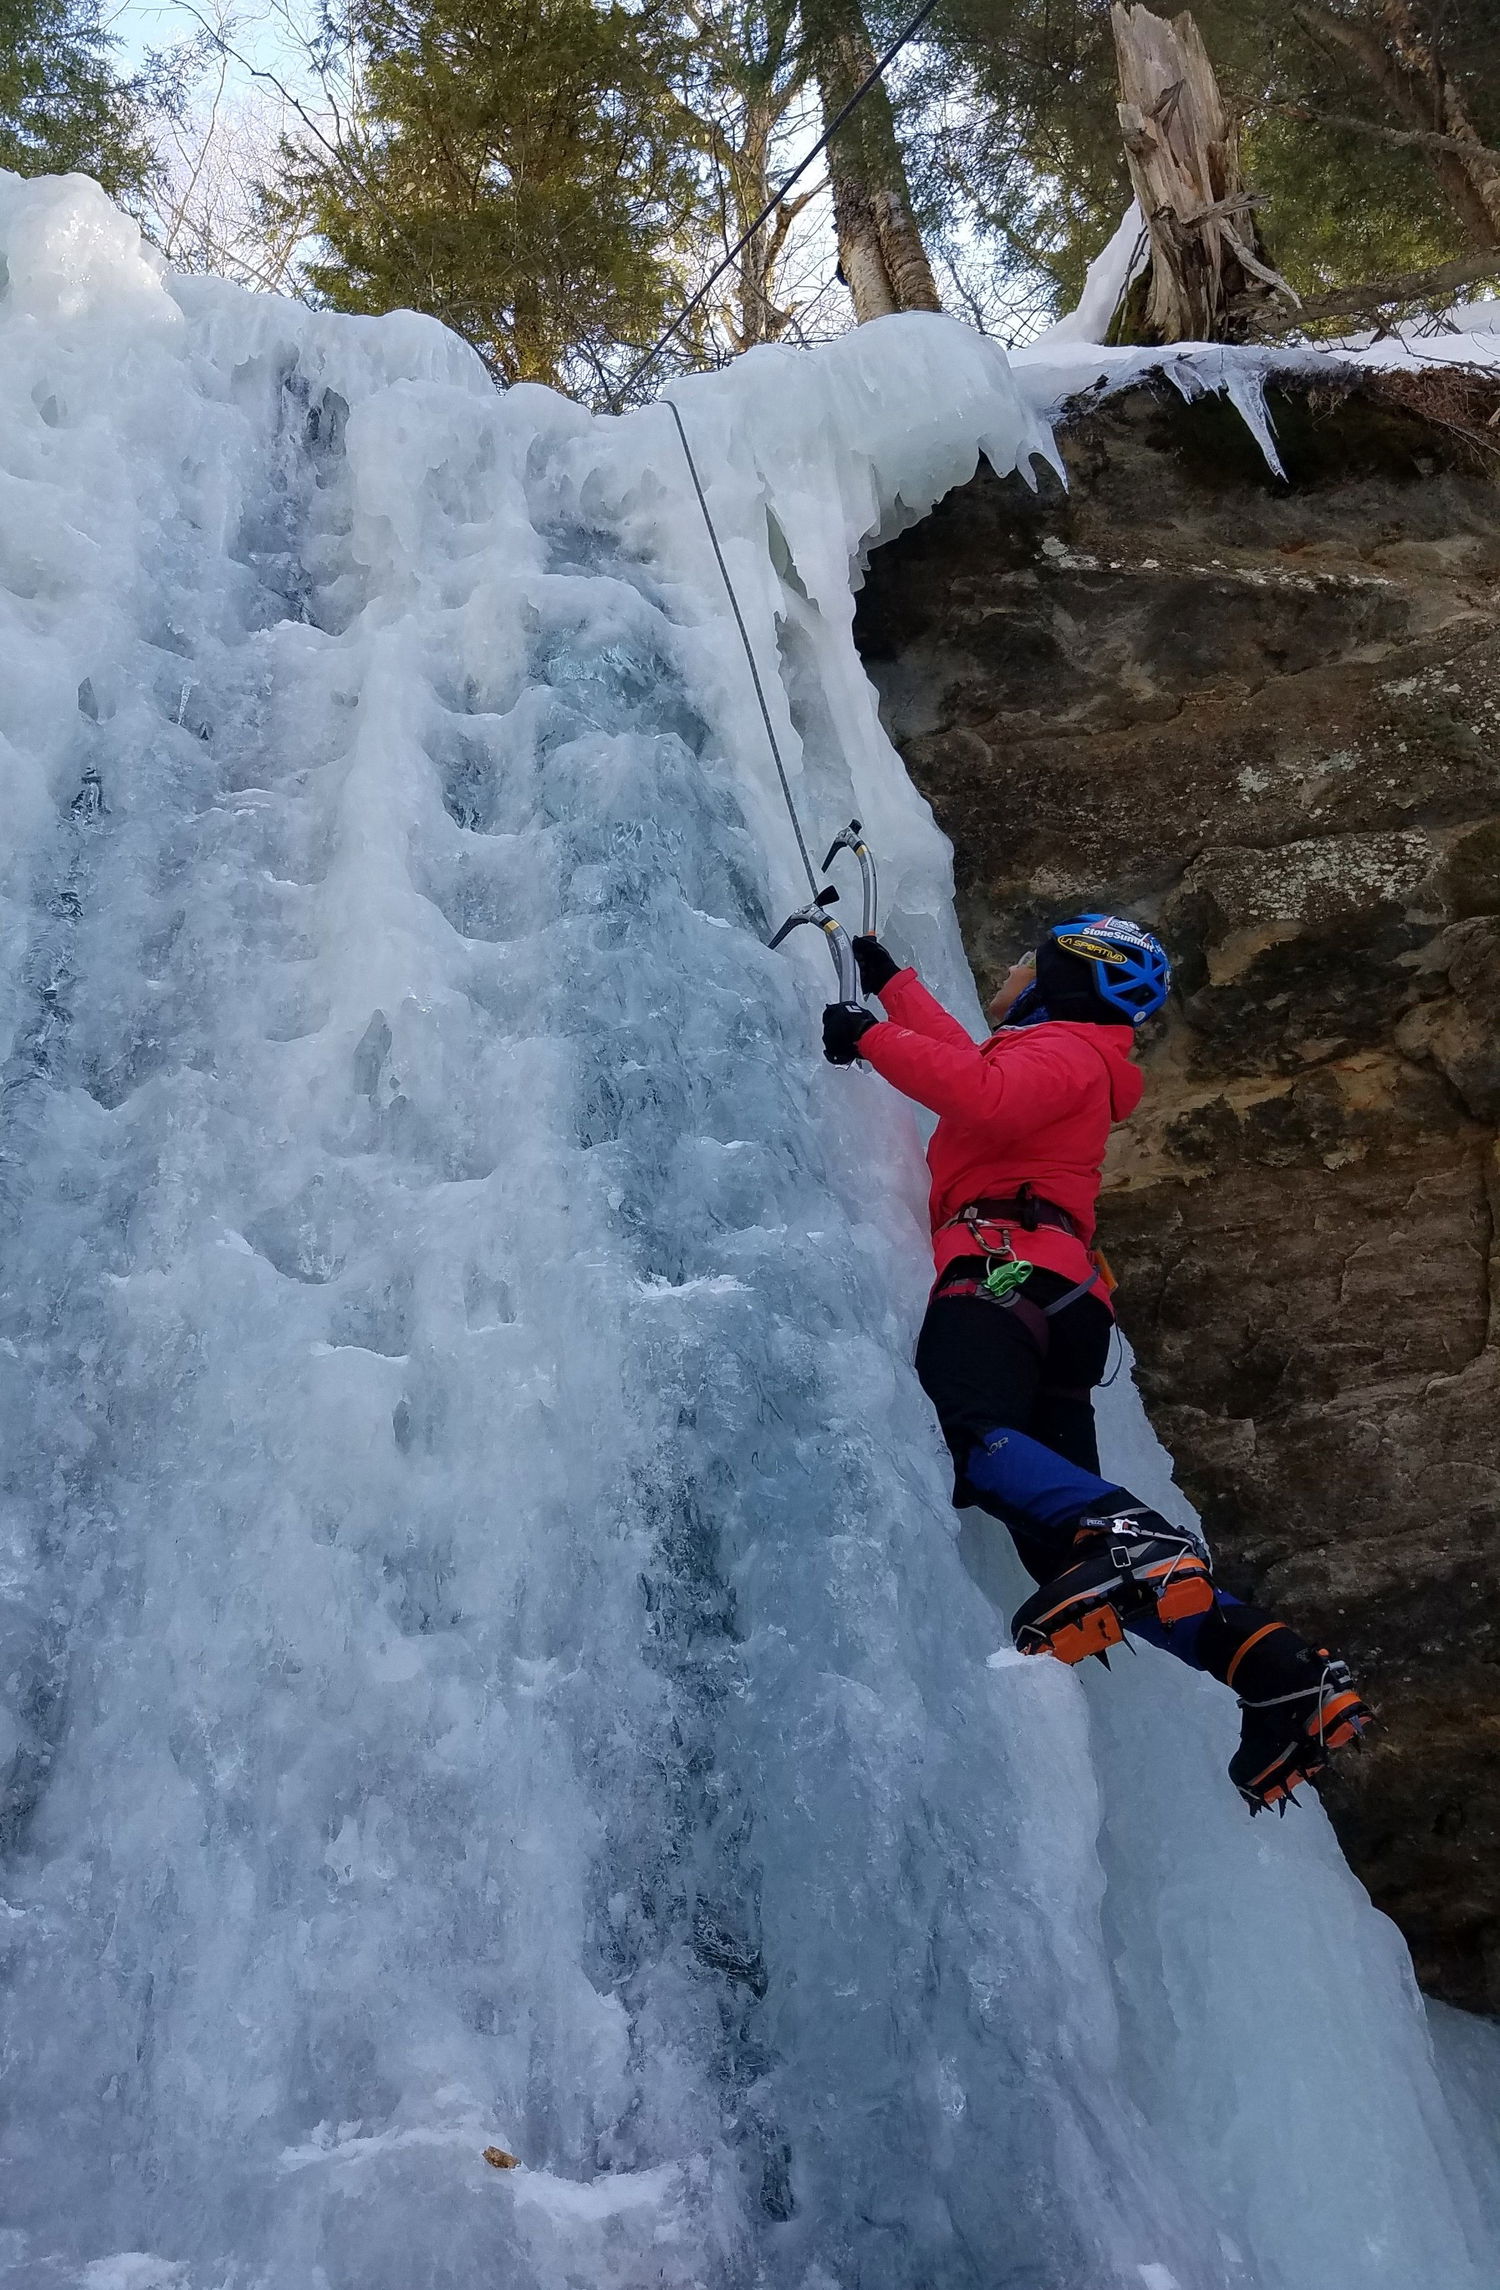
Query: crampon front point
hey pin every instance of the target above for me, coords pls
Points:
(1289, 1740)
(1140, 1567)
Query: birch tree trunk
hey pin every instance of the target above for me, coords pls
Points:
(880, 248)
(1208, 275)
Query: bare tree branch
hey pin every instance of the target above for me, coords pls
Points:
(1416, 138)
(1444, 278)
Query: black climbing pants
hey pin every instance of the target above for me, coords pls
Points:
(988, 1371)
(984, 1369)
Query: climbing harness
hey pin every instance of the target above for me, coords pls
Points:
(1024, 1207)
(1005, 1272)
(1004, 1278)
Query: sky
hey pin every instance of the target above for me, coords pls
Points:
(143, 25)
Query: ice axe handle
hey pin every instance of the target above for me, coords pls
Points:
(844, 962)
(853, 839)
(838, 939)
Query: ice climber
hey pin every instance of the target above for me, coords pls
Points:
(1019, 1323)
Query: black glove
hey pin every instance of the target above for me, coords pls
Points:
(844, 1026)
(876, 969)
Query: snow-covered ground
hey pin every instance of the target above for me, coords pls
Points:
(488, 1656)
(1069, 359)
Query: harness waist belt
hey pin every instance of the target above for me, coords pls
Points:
(1019, 1303)
(1025, 1209)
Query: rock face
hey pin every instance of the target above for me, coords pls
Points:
(1265, 717)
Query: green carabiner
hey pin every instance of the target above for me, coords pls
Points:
(1004, 1275)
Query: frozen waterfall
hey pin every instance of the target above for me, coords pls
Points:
(487, 1655)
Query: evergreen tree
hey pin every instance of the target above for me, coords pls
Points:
(743, 85)
(1348, 109)
(62, 111)
(515, 169)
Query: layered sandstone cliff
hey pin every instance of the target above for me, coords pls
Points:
(1266, 717)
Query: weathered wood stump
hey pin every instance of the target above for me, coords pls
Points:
(1208, 277)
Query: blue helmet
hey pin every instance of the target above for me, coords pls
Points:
(1126, 968)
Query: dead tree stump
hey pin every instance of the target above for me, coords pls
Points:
(1209, 277)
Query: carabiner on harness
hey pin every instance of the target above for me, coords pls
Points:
(1004, 1275)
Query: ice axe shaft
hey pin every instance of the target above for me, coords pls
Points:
(852, 839)
(815, 912)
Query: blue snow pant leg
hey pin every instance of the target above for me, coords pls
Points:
(1019, 1421)
(1048, 1496)
(1043, 1493)
(1051, 1496)
(987, 1375)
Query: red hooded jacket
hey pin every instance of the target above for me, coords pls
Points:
(1034, 1107)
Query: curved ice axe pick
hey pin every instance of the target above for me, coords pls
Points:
(852, 839)
(816, 913)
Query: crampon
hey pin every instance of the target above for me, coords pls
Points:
(1134, 1564)
(1289, 1738)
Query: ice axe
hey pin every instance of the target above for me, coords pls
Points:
(816, 913)
(853, 839)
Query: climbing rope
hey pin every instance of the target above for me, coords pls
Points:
(876, 72)
(739, 621)
(768, 210)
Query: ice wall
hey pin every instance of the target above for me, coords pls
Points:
(487, 1655)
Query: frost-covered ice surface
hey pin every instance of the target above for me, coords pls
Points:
(487, 1654)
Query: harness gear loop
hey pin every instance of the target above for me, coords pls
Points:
(1025, 1208)
(1003, 1285)
(1030, 1211)
(975, 1230)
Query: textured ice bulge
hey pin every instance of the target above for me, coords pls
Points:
(487, 1655)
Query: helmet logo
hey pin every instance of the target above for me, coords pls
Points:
(1129, 967)
(1095, 949)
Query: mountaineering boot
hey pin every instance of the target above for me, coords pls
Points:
(1299, 1706)
(1131, 1564)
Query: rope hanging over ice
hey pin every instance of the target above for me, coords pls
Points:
(769, 209)
(739, 622)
